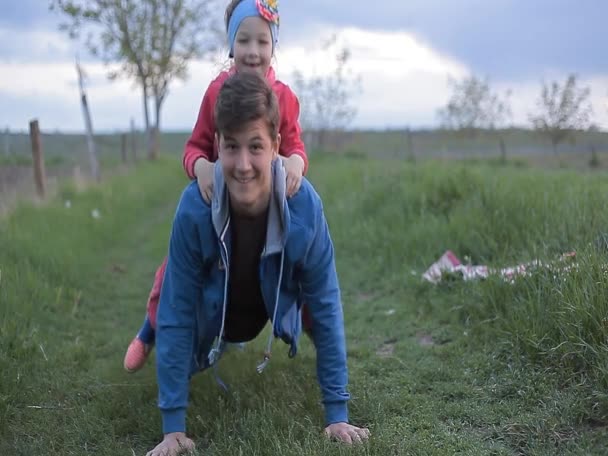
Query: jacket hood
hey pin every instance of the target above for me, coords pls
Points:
(278, 214)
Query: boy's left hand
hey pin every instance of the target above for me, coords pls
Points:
(347, 433)
(294, 165)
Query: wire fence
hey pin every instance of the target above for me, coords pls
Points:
(455, 145)
(66, 155)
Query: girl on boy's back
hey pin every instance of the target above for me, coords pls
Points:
(252, 27)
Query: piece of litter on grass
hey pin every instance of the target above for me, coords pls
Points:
(43, 353)
(48, 407)
(95, 213)
(68, 204)
(389, 312)
(386, 350)
(126, 385)
(449, 263)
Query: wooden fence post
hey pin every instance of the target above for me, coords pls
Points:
(88, 125)
(123, 148)
(133, 142)
(39, 173)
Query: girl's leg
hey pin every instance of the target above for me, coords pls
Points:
(147, 334)
(140, 347)
(154, 298)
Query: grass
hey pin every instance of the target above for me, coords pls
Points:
(476, 368)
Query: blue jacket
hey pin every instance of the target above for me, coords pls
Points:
(297, 265)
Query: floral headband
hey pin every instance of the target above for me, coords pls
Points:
(269, 10)
(266, 9)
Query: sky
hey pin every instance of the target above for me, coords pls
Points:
(404, 52)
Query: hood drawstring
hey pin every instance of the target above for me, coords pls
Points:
(216, 352)
(267, 352)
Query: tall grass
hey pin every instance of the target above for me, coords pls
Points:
(73, 288)
(48, 256)
(393, 221)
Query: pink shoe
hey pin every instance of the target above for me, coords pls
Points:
(136, 355)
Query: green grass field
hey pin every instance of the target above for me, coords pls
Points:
(471, 368)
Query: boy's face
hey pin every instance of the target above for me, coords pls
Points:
(246, 157)
(253, 46)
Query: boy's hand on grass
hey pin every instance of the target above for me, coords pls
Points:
(347, 433)
(203, 170)
(173, 444)
(294, 166)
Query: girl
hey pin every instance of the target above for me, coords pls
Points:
(252, 27)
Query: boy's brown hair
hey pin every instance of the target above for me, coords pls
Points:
(246, 97)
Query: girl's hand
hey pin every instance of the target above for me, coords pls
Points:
(203, 170)
(294, 165)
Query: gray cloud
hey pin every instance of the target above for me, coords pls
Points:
(505, 39)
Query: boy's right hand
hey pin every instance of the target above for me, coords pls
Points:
(203, 170)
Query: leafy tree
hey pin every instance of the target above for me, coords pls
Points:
(473, 105)
(562, 109)
(152, 41)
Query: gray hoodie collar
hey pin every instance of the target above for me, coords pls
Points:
(278, 215)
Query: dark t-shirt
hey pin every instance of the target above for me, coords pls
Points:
(246, 314)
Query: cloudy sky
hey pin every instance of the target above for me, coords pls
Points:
(403, 50)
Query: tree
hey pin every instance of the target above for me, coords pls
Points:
(562, 109)
(326, 101)
(473, 105)
(152, 40)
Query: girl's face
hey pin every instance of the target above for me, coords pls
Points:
(253, 46)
